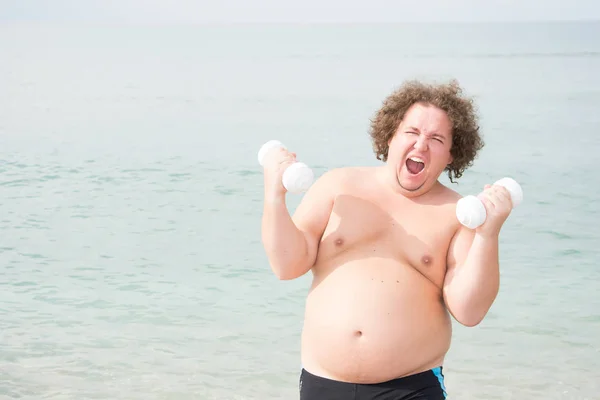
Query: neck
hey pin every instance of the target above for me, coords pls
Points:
(389, 180)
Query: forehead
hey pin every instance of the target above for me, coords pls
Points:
(428, 119)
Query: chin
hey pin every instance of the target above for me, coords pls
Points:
(408, 181)
(412, 189)
(412, 185)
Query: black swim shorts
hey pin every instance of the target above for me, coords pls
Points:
(428, 385)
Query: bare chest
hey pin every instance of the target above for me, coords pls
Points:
(416, 236)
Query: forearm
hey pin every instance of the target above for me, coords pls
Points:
(285, 245)
(476, 282)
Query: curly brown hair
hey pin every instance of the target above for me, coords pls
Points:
(466, 140)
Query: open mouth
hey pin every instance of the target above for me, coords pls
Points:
(415, 165)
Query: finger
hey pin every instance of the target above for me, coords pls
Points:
(503, 196)
(277, 153)
(499, 200)
(494, 199)
(504, 191)
(487, 202)
(278, 157)
(501, 192)
(288, 159)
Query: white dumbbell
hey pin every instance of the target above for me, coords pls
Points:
(470, 211)
(297, 178)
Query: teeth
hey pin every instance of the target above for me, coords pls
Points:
(417, 159)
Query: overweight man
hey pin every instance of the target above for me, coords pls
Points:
(390, 262)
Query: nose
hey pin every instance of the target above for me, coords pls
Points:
(421, 143)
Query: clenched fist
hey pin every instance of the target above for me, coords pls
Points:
(276, 161)
(498, 205)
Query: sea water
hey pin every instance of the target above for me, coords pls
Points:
(131, 265)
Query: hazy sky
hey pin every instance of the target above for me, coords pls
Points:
(200, 11)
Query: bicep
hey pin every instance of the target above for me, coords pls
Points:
(457, 252)
(312, 214)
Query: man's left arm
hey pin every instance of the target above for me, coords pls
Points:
(473, 272)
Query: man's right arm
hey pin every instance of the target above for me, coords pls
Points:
(291, 244)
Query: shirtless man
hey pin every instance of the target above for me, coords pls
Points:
(390, 261)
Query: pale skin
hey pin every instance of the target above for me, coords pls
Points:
(389, 260)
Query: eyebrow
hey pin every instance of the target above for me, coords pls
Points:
(412, 128)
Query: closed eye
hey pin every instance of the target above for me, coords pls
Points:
(437, 138)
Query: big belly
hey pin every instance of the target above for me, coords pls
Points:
(369, 323)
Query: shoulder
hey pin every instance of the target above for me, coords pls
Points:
(461, 236)
(449, 196)
(341, 172)
(335, 182)
(444, 201)
(342, 176)
(314, 209)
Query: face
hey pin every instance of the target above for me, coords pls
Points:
(420, 150)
